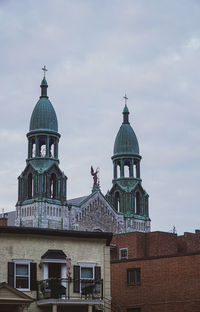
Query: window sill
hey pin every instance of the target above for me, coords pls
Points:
(23, 289)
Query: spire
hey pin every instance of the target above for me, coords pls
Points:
(125, 111)
(44, 84)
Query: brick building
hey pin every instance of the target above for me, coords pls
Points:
(157, 271)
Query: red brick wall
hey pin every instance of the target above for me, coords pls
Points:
(170, 273)
(189, 242)
(142, 245)
(161, 243)
(135, 242)
(167, 284)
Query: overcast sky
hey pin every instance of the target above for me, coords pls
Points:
(95, 51)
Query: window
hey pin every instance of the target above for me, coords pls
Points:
(133, 276)
(133, 310)
(22, 274)
(123, 253)
(86, 274)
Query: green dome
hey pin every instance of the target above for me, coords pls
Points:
(44, 115)
(126, 141)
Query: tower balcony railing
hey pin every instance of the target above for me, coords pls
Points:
(70, 289)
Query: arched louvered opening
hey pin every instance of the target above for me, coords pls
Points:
(132, 204)
(117, 201)
(138, 203)
(53, 186)
(30, 185)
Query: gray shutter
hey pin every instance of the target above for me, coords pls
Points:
(11, 274)
(33, 276)
(76, 278)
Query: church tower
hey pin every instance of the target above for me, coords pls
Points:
(42, 185)
(127, 194)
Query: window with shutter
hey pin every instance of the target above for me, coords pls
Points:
(22, 274)
(87, 276)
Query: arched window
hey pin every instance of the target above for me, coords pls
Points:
(126, 172)
(117, 201)
(118, 171)
(138, 203)
(53, 186)
(30, 185)
(42, 146)
(126, 168)
(33, 148)
(132, 205)
(134, 169)
(52, 148)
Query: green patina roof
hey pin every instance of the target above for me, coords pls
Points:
(44, 115)
(126, 141)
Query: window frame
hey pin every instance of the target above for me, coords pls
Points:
(120, 253)
(22, 262)
(135, 276)
(86, 265)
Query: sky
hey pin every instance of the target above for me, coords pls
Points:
(95, 52)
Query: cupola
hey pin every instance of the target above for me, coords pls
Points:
(44, 116)
(126, 141)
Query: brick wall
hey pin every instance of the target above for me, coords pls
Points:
(167, 284)
(170, 272)
(142, 245)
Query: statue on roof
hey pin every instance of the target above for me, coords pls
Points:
(95, 177)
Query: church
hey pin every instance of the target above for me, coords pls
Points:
(42, 186)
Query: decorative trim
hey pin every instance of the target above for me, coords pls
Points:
(53, 260)
(87, 264)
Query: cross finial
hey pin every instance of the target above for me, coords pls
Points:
(126, 98)
(44, 69)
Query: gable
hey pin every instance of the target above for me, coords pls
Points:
(96, 214)
(55, 169)
(11, 294)
(133, 187)
(27, 170)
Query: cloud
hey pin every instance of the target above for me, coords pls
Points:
(95, 52)
(194, 43)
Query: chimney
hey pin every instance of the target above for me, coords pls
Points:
(3, 218)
